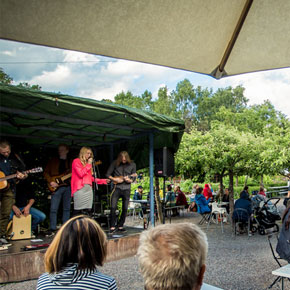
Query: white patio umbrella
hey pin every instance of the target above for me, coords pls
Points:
(214, 37)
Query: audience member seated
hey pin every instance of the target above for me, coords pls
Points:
(138, 195)
(207, 192)
(201, 202)
(246, 190)
(283, 245)
(225, 198)
(170, 200)
(173, 256)
(24, 200)
(73, 256)
(245, 203)
(181, 198)
(194, 189)
(262, 191)
(220, 193)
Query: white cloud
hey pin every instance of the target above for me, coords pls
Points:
(83, 58)
(104, 93)
(268, 85)
(8, 52)
(56, 79)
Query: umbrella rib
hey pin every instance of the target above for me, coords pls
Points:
(220, 70)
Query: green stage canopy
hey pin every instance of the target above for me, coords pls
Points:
(47, 119)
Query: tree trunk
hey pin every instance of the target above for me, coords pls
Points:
(158, 201)
(237, 180)
(246, 180)
(231, 191)
(221, 187)
(262, 180)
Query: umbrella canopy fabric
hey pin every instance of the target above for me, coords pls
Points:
(218, 38)
(47, 119)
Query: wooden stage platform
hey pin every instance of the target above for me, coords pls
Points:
(17, 264)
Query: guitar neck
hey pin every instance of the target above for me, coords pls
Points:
(24, 172)
(65, 177)
(8, 177)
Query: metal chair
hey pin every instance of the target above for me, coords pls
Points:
(241, 218)
(204, 216)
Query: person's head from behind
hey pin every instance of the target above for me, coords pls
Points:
(199, 190)
(246, 188)
(80, 240)
(262, 189)
(173, 256)
(169, 187)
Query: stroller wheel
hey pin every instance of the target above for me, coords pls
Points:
(254, 229)
(261, 230)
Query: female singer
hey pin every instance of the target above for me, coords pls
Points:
(81, 181)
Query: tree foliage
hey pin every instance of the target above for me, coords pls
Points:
(5, 78)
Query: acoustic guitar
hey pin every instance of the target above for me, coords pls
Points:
(60, 179)
(3, 179)
(123, 178)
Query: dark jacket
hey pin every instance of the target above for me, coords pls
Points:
(283, 245)
(122, 170)
(245, 203)
(11, 165)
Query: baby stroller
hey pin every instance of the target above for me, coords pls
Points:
(265, 214)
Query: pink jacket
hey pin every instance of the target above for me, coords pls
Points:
(82, 175)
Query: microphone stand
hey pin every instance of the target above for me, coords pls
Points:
(95, 187)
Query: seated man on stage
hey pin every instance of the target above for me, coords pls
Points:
(122, 172)
(25, 198)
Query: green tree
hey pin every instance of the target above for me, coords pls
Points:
(222, 150)
(28, 86)
(165, 104)
(143, 102)
(5, 78)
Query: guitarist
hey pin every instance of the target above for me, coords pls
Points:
(122, 172)
(56, 167)
(10, 163)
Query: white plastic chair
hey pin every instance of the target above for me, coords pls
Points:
(133, 208)
(216, 211)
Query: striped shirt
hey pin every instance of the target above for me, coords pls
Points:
(71, 278)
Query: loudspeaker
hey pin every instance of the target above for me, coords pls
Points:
(163, 162)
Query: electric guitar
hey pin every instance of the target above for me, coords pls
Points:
(60, 179)
(3, 179)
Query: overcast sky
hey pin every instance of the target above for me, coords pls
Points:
(91, 76)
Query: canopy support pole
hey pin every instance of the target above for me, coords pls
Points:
(151, 173)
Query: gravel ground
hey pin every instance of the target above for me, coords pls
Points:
(243, 263)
